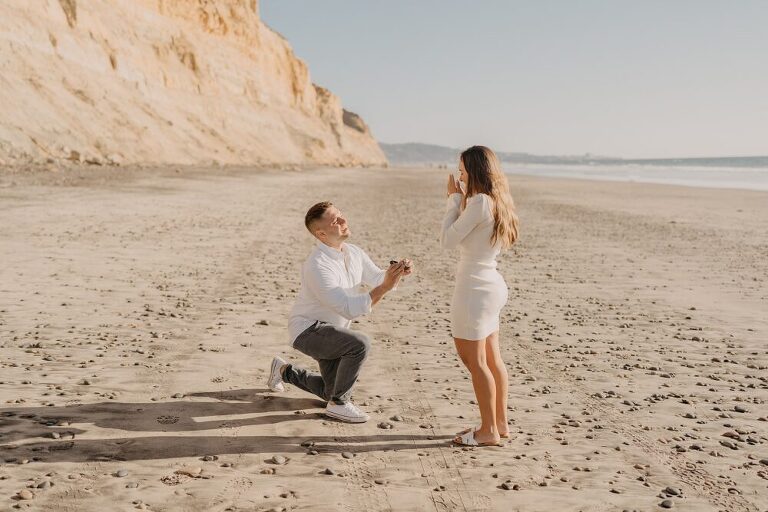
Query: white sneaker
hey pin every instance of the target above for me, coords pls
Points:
(346, 412)
(275, 381)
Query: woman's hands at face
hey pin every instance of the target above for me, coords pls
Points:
(453, 185)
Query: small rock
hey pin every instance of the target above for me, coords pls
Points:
(672, 491)
(347, 455)
(25, 494)
(279, 460)
(263, 322)
(131, 485)
(178, 395)
(120, 473)
(386, 425)
(666, 504)
(380, 481)
(193, 471)
(329, 471)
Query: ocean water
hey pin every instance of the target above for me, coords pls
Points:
(749, 178)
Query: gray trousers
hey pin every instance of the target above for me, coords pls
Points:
(340, 353)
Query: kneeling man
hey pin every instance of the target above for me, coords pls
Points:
(329, 299)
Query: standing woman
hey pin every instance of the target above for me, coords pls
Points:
(480, 220)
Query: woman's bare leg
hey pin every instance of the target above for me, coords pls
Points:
(501, 378)
(473, 355)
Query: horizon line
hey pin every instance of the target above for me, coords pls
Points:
(585, 154)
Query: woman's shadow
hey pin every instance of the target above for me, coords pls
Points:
(229, 409)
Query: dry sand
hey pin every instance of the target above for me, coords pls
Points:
(139, 311)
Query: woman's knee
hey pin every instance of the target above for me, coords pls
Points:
(496, 364)
(473, 359)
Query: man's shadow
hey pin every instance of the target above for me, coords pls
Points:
(254, 407)
(253, 404)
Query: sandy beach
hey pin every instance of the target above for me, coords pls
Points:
(139, 310)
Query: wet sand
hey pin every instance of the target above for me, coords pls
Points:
(139, 311)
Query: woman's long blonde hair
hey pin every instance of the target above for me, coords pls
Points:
(484, 176)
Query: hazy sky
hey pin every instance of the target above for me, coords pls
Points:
(634, 79)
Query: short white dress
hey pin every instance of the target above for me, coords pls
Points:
(480, 291)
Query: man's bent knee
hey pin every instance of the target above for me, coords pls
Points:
(361, 344)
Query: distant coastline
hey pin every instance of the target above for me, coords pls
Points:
(417, 154)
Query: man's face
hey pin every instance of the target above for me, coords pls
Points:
(332, 228)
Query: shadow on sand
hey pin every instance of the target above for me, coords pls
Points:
(182, 417)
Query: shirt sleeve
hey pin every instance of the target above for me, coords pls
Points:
(373, 276)
(457, 225)
(324, 285)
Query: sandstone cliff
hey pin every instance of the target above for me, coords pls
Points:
(163, 81)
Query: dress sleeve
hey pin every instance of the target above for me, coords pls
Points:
(457, 225)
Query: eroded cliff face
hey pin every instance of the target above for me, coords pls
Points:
(163, 81)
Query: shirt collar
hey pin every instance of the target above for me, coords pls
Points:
(330, 251)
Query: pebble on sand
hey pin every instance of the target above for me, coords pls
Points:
(193, 471)
(666, 504)
(25, 494)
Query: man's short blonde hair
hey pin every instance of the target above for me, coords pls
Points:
(316, 213)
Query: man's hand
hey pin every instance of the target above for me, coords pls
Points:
(408, 266)
(391, 278)
(393, 275)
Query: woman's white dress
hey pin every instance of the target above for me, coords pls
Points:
(480, 291)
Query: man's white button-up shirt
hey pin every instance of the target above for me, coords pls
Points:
(331, 287)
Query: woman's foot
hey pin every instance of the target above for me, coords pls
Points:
(504, 434)
(478, 438)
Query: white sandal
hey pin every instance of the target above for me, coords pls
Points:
(468, 439)
(503, 436)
